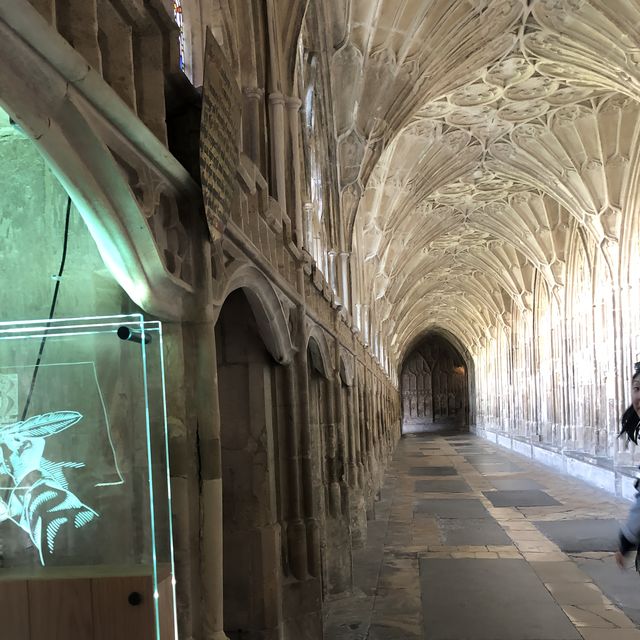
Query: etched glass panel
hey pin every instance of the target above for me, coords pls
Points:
(83, 452)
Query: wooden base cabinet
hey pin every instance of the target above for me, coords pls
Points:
(105, 608)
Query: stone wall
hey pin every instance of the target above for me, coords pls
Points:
(33, 206)
(282, 415)
(133, 45)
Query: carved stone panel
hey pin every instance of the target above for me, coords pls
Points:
(219, 137)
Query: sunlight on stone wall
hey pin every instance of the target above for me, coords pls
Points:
(32, 219)
(559, 375)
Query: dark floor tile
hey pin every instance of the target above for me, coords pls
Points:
(485, 458)
(582, 535)
(452, 508)
(489, 469)
(503, 483)
(489, 600)
(433, 471)
(521, 498)
(472, 532)
(442, 486)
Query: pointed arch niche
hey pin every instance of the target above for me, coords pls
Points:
(434, 386)
(250, 391)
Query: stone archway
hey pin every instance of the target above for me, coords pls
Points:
(252, 540)
(434, 387)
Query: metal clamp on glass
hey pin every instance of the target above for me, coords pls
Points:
(124, 333)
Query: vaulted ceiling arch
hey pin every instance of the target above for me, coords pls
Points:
(402, 250)
(469, 310)
(470, 337)
(485, 177)
(392, 56)
(588, 42)
(478, 287)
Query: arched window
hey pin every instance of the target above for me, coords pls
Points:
(605, 422)
(544, 363)
(581, 351)
(316, 236)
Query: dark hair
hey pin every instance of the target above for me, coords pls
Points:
(630, 420)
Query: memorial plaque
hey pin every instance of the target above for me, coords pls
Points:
(219, 137)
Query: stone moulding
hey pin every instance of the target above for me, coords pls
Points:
(267, 308)
(347, 373)
(319, 349)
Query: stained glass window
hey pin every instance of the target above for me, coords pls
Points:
(179, 18)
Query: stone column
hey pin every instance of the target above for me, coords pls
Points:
(296, 530)
(251, 123)
(308, 217)
(331, 268)
(312, 526)
(379, 422)
(378, 428)
(184, 500)
(369, 428)
(341, 426)
(366, 329)
(331, 429)
(211, 565)
(362, 445)
(344, 280)
(277, 136)
(351, 438)
(358, 517)
(373, 425)
(293, 114)
(620, 371)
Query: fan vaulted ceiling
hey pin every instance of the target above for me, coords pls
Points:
(473, 137)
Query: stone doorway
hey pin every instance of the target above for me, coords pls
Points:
(435, 388)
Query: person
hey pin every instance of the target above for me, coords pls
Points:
(629, 537)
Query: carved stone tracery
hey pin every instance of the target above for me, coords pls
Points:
(510, 149)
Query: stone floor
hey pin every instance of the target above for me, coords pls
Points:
(473, 542)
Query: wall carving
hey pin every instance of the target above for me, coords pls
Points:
(219, 137)
(164, 209)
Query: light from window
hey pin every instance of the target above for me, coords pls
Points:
(179, 18)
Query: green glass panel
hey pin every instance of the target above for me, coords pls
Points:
(84, 486)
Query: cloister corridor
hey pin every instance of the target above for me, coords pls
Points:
(470, 541)
(320, 319)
